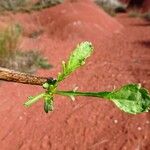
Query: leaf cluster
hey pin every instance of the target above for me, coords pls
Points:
(130, 98)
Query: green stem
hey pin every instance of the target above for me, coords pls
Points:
(34, 100)
(90, 94)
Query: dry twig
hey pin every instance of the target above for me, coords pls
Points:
(13, 76)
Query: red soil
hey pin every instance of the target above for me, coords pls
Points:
(79, 19)
(119, 58)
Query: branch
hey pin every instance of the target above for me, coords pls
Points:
(13, 76)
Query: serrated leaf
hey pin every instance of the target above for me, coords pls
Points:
(77, 59)
(131, 98)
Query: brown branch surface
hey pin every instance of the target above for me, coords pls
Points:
(13, 76)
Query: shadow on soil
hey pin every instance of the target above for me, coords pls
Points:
(142, 24)
(145, 43)
(140, 67)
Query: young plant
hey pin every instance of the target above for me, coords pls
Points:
(13, 58)
(9, 39)
(41, 4)
(13, 5)
(131, 98)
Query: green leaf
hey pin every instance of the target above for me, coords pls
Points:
(48, 103)
(131, 98)
(33, 99)
(77, 59)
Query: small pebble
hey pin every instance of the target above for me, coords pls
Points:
(114, 87)
(20, 117)
(24, 113)
(139, 128)
(147, 122)
(115, 121)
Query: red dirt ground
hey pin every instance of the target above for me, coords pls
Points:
(121, 56)
(78, 19)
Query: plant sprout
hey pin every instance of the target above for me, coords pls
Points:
(130, 98)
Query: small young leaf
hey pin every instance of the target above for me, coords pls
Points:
(45, 85)
(33, 99)
(76, 59)
(48, 103)
(131, 98)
